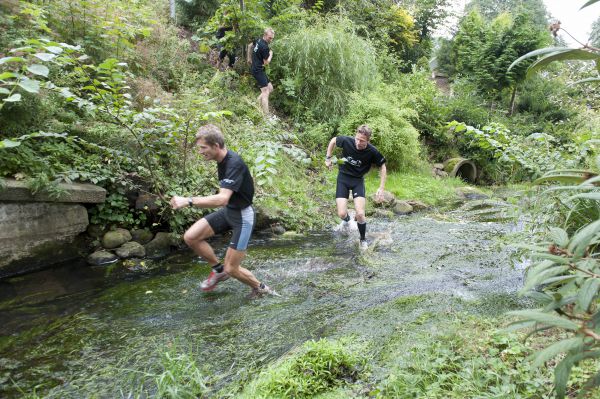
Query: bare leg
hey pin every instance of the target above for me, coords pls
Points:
(264, 99)
(233, 260)
(342, 207)
(359, 205)
(195, 237)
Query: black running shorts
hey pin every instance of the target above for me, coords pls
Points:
(240, 221)
(349, 184)
(261, 78)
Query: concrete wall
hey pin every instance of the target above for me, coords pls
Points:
(37, 231)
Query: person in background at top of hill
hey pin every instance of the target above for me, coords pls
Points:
(260, 55)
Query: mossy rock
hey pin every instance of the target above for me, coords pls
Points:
(115, 238)
(102, 257)
(160, 246)
(141, 236)
(131, 249)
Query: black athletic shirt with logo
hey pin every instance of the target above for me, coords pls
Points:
(235, 175)
(358, 162)
(260, 52)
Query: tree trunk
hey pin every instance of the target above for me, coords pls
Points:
(172, 4)
(512, 102)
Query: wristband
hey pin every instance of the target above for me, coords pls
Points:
(327, 157)
(190, 201)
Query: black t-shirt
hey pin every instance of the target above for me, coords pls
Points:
(221, 31)
(235, 175)
(260, 52)
(358, 162)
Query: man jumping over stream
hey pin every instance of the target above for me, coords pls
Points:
(235, 197)
(358, 155)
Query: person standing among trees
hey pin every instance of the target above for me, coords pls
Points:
(260, 55)
(223, 52)
(358, 156)
(235, 197)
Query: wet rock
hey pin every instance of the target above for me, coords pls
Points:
(402, 208)
(101, 257)
(470, 193)
(147, 202)
(278, 229)
(141, 236)
(263, 218)
(115, 238)
(136, 265)
(388, 201)
(95, 230)
(177, 241)
(417, 205)
(131, 249)
(383, 213)
(159, 246)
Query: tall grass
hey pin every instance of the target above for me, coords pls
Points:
(320, 64)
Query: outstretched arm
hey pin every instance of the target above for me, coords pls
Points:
(329, 152)
(210, 201)
(382, 177)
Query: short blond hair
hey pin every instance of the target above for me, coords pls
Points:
(364, 129)
(211, 134)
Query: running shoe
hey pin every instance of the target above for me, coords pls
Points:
(260, 292)
(213, 279)
(343, 228)
(363, 245)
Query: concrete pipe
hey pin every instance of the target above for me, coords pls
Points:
(461, 168)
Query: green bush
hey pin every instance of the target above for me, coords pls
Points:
(317, 367)
(393, 133)
(319, 65)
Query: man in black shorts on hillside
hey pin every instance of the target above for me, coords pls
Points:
(358, 156)
(261, 56)
(235, 196)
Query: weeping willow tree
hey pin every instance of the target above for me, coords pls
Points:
(319, 65)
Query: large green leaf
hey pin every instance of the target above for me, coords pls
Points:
(588, 80)
(589, 3)
(559, 236)
(588, 291)
(543, 277)
(13, 99)
(6, 143)
(38, 69)
(592, 196)
(563, 55)
(583, 238)
(559, 347)
(535, 53)
(30, 85)
(4, 60)
(545, 318)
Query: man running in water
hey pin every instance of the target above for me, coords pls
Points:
(235, 197)
(358, 155)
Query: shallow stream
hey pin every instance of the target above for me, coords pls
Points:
(83, 331)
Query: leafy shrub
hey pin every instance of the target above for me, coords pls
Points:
(505, 156)
(563, 281)
(470, 360)
(318, 366)
(319, 65)
(393, 133)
